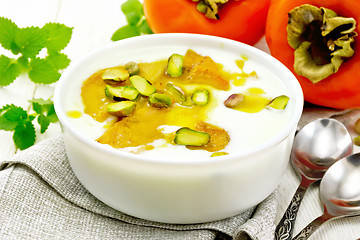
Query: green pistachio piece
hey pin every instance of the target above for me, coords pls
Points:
(279, 102)
(121, 109)
(175, 65)
(190, 137)
(357, 141)
(142, 85)
(234, 100)
(217, 154)
(115, 75)
(176, 92)
(160, 100)
(200, 97)
(357, 126)
(121, 93)
(133, 68)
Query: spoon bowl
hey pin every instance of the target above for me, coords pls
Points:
(340, 189)
(339, 192)
(316, 147)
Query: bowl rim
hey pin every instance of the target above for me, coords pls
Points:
(283, 133)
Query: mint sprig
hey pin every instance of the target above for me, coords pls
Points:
(26, 44)
(14, 118)
(136, 22)
(45, 112)
(43, 67)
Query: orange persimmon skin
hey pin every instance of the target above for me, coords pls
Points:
(341, 90)
(240, 20)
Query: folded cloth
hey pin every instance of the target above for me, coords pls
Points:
(41, 198)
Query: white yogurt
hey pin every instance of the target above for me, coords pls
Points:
(246, 130)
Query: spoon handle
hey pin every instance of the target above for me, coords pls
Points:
(311, 227)
(285, 228)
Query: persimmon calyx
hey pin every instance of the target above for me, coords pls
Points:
(322, 41)
(210, 7)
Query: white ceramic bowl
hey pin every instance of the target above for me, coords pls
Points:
(176, 191)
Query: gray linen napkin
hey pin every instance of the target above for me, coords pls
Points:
(40, 198)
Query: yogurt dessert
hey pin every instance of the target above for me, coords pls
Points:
(192, 104)
(167, 180)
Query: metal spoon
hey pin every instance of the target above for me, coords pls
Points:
(316, 147)
(339, 192)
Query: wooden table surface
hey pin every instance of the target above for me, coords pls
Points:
(93, 24)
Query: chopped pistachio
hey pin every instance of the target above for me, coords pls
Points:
(121, 93)
(217, 154)
(234, 100)
(176, 92)
(279, 102)
(200, 97)
(190, 137)
(133, 68)
(121, 109)
(357, 141)
(142, 85)
(175, 65)
(115, 75)
(160, 100)
(357, 126)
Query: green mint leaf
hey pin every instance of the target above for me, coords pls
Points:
(5, 108)
(9, 70)
(30, 41)
(24, 135)
(59, 36)
(8, 30)
(37, 107)
(46, 108)
(7, 125)
(133, 11)
(144, 27)
(41, 105)
(132, 18)
(23, 63)
(58, 60)
(137, 24)
(14, 113)
(43, 72)
(51, 114)
(11, 115)
(125, 32)
(44, 123)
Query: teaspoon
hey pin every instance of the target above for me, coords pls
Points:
(339, 193)
(316, 147)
